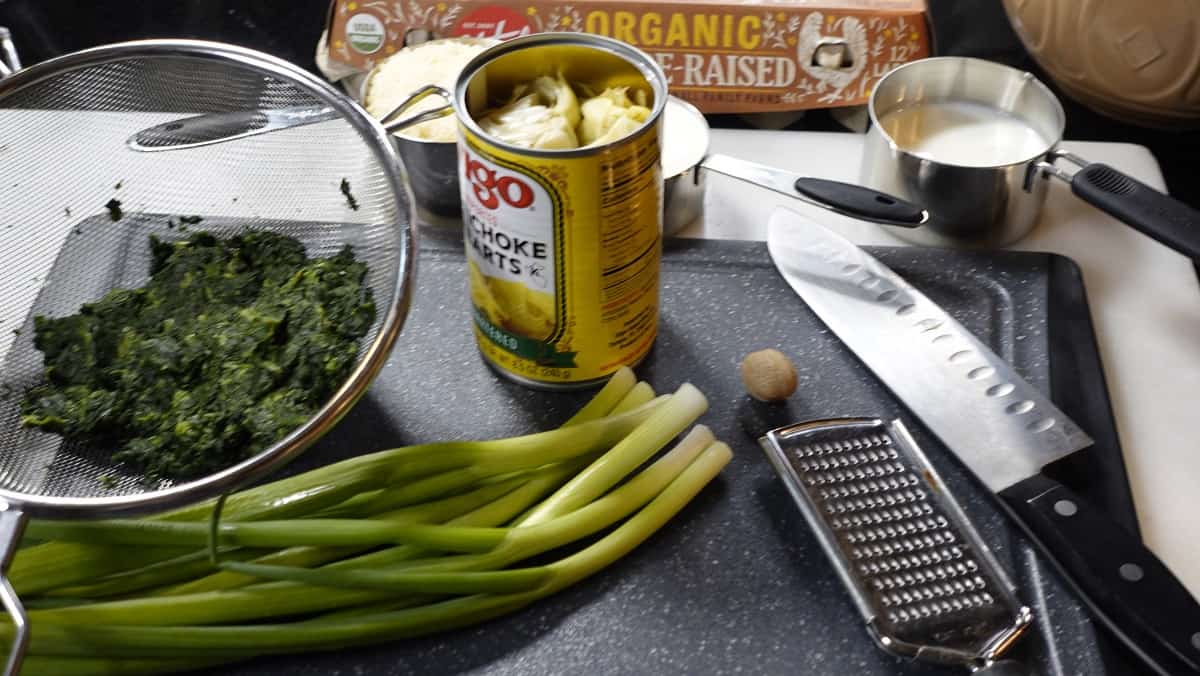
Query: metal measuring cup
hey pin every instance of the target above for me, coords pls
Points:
(990, 205)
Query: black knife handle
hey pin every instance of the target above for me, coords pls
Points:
(1139, 599)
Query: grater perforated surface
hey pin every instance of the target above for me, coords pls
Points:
(920, 574)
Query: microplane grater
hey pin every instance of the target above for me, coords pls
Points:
(926, 584)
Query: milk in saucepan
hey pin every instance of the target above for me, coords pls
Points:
(963, 133)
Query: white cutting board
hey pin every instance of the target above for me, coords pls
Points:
(1144, 297)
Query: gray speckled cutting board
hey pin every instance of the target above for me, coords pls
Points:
(737, 583)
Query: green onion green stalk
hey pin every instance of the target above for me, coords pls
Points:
(394, 544)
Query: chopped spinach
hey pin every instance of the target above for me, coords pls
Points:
(232, 344)
(345, 187)
(114, 209)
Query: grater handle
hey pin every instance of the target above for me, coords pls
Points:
(1122, 581)
(12, 526)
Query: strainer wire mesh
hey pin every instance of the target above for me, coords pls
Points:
(66, 172)
(63, 140)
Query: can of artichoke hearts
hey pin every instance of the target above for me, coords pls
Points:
(562, 192)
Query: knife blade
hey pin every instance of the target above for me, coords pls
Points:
(1002, 428)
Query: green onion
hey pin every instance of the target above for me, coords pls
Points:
(239, 641)
(413, 582)
(680, 411)
(46, 566)
(398, 543)
(609, 396)
(507, 547)
(640, 394)
(197, 563)
(322, 532)
(494, 513)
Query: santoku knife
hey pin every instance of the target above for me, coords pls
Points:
(1002, 428)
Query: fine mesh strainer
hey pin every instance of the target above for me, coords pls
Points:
(64, 125)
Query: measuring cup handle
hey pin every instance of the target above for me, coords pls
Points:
(391, 124)
(861, 202)
(1164, 218)
(12, 526)
(847, 199)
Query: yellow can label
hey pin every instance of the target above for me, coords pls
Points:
(563, 253)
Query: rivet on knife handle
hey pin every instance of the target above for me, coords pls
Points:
(1113, 571)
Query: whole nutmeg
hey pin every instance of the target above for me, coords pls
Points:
(768, 375)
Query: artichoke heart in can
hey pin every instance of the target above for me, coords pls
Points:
(559, 167)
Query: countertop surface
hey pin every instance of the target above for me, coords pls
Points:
(1144, 298)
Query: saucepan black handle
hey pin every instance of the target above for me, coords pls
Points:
(1123, 582)
(1162, 217)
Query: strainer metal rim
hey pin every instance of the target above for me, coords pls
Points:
(367, 367)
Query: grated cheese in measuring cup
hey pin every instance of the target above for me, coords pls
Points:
(684, 138)
(435, 62)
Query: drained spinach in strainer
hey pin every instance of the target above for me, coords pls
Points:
(232, 344)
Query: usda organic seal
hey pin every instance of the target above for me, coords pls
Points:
(365, 33)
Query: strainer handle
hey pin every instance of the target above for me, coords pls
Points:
(391, 124)
(210, 128)
(12, 526)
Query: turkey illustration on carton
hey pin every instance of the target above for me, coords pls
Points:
(721, 56)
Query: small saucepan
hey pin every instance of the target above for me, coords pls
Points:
(686, 160)
(975, 142)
